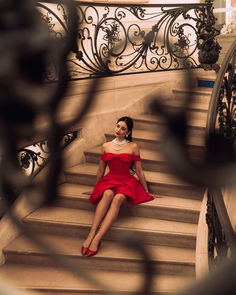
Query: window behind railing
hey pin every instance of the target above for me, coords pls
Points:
(225, 12)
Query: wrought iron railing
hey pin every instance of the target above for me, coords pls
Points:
(124, 38)
(222, 124)
(33, 158)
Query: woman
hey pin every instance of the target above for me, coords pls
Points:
(113, 189)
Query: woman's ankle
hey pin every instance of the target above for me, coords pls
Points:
(94, 244)
(88, 240)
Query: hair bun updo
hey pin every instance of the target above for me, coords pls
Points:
(130, 124)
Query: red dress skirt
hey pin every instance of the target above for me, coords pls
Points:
(120, 180)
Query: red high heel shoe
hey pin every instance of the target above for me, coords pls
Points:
(92, 253)
(84, 250)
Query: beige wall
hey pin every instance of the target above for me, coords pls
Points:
(116, 97)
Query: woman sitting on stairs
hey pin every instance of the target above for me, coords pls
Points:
(118, 186)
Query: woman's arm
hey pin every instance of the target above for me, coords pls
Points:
(101, 167)
(139, 170)
(100, 171)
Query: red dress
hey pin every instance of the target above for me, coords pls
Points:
(120, 180)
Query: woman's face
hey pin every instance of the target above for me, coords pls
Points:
(121, 130)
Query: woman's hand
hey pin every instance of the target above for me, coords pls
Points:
(155, 196)
(87, 193)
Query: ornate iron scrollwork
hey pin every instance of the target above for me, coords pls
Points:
(209, 48)
(115, 39)
(217, 244)
(222, 123)
(226, 107)
(33, 158)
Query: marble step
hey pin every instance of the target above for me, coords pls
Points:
(150, 139)
(158, 182)
(113, 256)
(152, 160)
(198, 96)
(76, 222)
(196, 122)
(166, 208)
(56, 280)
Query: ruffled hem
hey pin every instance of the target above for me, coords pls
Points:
(131, 188)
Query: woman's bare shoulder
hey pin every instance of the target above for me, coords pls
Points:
(105, 146)
(134, 144)
(135, 147)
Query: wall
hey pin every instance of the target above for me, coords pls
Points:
(116, 97)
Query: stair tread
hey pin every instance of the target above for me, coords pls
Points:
(162, 177)
(76, 217)
(144, 153)
(198, 107)
(193, 119)
(156, 136)
(197, 91)
(52, 278)
(75, 191)
(70, 246)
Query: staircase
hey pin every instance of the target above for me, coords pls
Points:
(167, 226)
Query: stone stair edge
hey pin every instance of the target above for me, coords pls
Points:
(189, 209)
(16, 247)
(148, 204)
(151, 177)
(126, 228)
(146, 154)
(73, 283)
(57, 219)
(142, 134)
(195, 91)
(145, 117)
(96, 151)
(151, 137)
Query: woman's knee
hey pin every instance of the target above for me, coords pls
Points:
(108, 195)
(119, 199)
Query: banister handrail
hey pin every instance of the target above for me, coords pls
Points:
(177, 36)
(130, 4)
(221, 235)
(38, 154)
(211, 117)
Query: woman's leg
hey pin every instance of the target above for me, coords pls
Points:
(100, 212)
(110, 217)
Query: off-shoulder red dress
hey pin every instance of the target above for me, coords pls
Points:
(120, 180)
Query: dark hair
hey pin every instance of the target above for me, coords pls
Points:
(130, 124)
